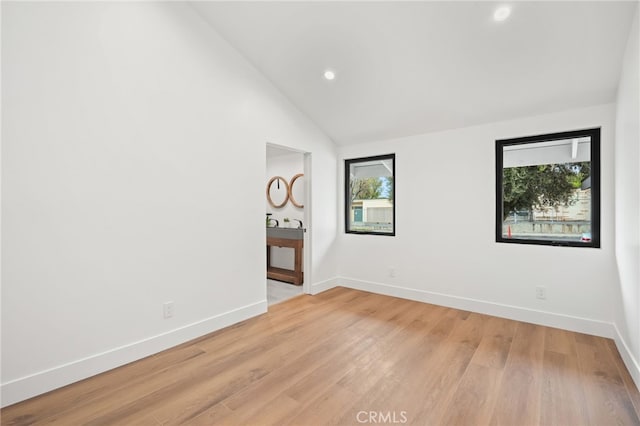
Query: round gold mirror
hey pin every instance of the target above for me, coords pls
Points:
(277, 192)
(296, 190)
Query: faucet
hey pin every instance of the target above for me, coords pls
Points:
(299, 223)
(270, 219)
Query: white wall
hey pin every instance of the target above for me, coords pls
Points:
(444, 250)
(627, 181)
(286, 166)
(133, 172)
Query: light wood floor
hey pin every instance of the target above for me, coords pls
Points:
(346, 355)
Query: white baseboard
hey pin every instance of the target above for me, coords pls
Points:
(549, 319)
(45, 381)
(629, 360)
(323, 286)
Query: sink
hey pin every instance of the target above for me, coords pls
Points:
(287, 233)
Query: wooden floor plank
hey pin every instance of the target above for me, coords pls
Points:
(311, 382)
(496, 344)
(373, 377)
(206, 418)
(271, 352)
(88, 391)
(330, 358)
(433, 392)
(519, 396)
(474, 398)
(560, 341)
(316, 412)
(563, 400)
(624, 374)
(607, 399)
(409, 371)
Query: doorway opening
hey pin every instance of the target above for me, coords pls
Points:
(288, 223)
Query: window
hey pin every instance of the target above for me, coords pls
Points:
(369, 195)
(548, 189)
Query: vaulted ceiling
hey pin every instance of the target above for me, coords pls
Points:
(405, 68)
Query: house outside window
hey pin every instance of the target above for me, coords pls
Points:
(548, 189)
(370, 195)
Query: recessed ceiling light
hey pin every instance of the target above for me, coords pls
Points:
(329, 75)
(501, 13)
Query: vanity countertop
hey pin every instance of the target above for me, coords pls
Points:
(286, 233)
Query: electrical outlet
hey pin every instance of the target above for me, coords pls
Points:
(392, 272)
(541, 292)
(167, 309)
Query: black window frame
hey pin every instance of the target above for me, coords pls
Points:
(347, 193)
(594, 134)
